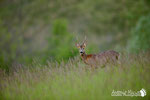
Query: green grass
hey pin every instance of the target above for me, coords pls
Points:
(75, 81)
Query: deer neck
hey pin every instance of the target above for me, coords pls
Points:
(83, 56)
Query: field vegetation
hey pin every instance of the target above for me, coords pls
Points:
(75, 81)
(39, 59)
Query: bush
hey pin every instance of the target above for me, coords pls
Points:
(9, 46)
(140, 39)
(60, 43)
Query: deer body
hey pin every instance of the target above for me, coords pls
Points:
(97, 59)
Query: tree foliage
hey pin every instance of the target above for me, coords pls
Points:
(140, 39)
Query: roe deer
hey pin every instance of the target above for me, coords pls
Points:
(100, 59)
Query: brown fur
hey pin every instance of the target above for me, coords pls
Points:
(100, 59)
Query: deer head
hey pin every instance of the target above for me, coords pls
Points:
(81, 47)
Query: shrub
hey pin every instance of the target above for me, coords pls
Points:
(140, 39)
(60, 43)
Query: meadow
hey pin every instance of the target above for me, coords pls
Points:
(76, 81)
(39, 59)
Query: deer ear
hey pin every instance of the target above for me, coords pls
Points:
(78, 45)
(84, 44)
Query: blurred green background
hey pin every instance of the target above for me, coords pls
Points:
(48, 29)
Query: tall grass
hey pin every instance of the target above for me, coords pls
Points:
(76, 81)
